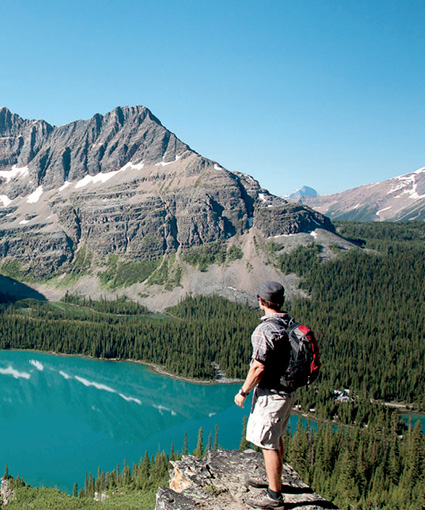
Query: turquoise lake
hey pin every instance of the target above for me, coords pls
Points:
(61, 417)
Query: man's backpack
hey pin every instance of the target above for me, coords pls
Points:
(304, 365)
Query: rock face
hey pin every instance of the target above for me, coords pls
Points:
(6, 493)
(398, 199)
(123, 184)
(217, 483)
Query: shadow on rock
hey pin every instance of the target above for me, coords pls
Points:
(12, 290)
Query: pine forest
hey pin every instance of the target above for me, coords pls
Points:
(367, 308)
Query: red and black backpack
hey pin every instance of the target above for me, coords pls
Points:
(304, 364)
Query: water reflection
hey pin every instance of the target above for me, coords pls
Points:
(63, 416)
(123, 400)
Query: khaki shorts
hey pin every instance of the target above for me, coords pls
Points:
(269, 416)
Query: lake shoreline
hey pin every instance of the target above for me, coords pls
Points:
(58, 406)
(221, 379)
(158, 369)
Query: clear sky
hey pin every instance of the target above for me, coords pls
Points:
(323, 93)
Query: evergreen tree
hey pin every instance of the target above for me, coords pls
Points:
(244, 444)
(199, 450)
(184, 448)
(143, 472)
(215, 446)
(209, 443)
(173, 454)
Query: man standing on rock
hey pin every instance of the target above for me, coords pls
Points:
(271, 405)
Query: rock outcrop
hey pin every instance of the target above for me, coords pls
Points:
(123, 184)
(6, 493)
(217, 483)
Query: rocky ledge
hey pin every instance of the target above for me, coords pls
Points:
(217, 483)
(6, 493)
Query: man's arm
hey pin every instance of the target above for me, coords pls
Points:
(254, 376)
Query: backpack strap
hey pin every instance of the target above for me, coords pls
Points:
(280, 320)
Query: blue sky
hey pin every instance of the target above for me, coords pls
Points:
(324, 93)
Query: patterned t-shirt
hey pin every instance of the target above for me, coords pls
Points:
(270, 344)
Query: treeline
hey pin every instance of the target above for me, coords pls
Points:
(379, 467)
(147, 475)
(197, 333)
(363, 468)
(368, 310)
(119, 306)
(127, 488)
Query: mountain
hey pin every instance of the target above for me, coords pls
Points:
(304, 191)
(122, 185)
(398, 199)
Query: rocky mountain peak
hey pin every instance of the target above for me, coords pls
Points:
(54, 155)
(123, 184)
(304, 191)
(9, 122)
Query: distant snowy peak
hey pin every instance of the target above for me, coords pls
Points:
(400, 198)
(305, 191)
(412, 184)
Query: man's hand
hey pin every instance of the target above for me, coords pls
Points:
(252, 379)
(239, 400)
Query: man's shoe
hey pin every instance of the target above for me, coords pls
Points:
(263, 500)
(258, 483)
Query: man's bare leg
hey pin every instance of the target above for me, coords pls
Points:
(273, 461)
(281, 449)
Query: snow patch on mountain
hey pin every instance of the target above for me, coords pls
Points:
(382, 210)
(35, 197)
(132, 166)
(14, 172)
(6, 200)
(400, 198)
(93, 179)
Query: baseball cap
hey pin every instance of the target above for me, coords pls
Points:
(271, 291)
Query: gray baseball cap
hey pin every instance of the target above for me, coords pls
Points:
(271, 291)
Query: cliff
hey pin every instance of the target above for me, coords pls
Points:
(217, 483)
(122, 183)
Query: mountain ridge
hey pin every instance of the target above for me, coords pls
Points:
(122, 184)
(400, 198)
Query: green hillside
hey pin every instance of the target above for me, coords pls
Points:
(367, 307)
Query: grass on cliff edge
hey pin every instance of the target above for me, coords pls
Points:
(27, 498)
